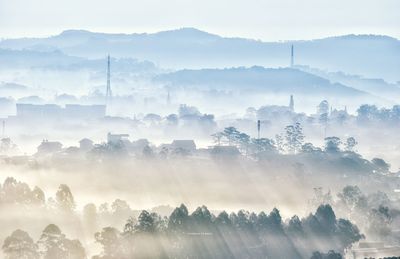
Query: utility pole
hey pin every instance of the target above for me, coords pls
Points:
(168, 98)
(292, 56)
(108, 90)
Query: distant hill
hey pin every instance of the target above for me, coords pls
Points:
(368, 55)
(377, 87)
(55, 59)
(259, 79)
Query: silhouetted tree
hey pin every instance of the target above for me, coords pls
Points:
(64, 198)
(294, 138)
(231, 134)
(145, 223)
(294, 226)
(332, 144)
(54, 244)
(19, 245)
(178, 220)
(350, 144)
(381, 165)
(109, 238)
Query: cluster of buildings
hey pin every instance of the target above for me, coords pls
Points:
(136, 148)
(53, 111)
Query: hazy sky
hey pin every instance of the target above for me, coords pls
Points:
(258, 19)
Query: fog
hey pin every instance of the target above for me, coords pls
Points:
(207, 147)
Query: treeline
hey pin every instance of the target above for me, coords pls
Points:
(371, 113)
(16, 193)
(292, 142)
(52, 244)
(199, 234)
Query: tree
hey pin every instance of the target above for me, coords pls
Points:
(74, 249)
(19, 245)
(65, 199)
(350, 144)
(295, 227)
(243, 140)
(241, 221)
(294, 137)
(280, 145)
(120, 208)
(326, 217)
(223, 220)
(381, 166)
(379, 222)
(366, 113)
(145, 223)
(231, 134)
(185, 110)
(109, 238)
(38, 196)
(275, 220)
(50, 243)
(262, 222)
(353, 198)
(263, 145)
(217, 138)
(108, 150)
(309, 148)
(332, 144)
(129, 228)
(201, 217)
(178, 219)
(347, 233)
(15, 192)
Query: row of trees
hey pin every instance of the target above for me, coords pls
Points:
(291, 142)
(232, 137)
(13, 192)
(244, 234)
(200, 234)
(51, 244)
(371, 113)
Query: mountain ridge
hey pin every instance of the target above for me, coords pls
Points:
(372, 56)
(193, 29)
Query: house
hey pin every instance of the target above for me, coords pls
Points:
(117, 138)
(48, 147)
